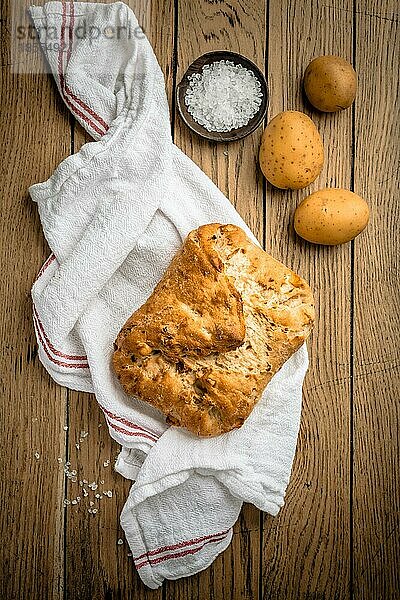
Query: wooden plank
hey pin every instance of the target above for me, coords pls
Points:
(307, 547)
(240, 27)
(376, 513)
(97, 567)
(35, 138)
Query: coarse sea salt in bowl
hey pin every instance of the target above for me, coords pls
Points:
(223, 96)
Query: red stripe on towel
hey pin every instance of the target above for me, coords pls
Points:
(61, 76)
(65, 91)
(66, 88)
(178, 554)
(54, 360)
(130, 433)
(182, 544)
(128, 423)
(78, 112)
(71, 28)
(50, 345)
(48, 262)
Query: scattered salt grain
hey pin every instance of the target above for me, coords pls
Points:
(98, 496)
(224, 96)
(120, 542)
(106, 463)
(74, 502)
(70, 474)
(102, 481)
(84, 434)
(108, 493)
(65, 427)
(67, 502)
(94, 510)
(85, 493)
(129, 554)
(77, 446)
(59, 459)
(37, 455)
(91, 503)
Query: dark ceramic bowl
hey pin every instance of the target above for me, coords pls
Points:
(221, 136)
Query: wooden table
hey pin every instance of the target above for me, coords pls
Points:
(337, 536)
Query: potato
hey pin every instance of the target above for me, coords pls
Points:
(330, 83)
(291, 152)
(331, 216)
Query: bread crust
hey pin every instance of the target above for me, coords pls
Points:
(217, 327)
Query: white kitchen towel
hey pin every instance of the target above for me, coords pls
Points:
(197, 490)
(114, 214)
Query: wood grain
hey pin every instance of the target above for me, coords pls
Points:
(307, 547)
(376, 513)
(33, 407)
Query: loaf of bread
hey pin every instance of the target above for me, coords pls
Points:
(217, 327)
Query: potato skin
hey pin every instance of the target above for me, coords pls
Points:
(331, 216)
(291, 152)
(330, 83)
